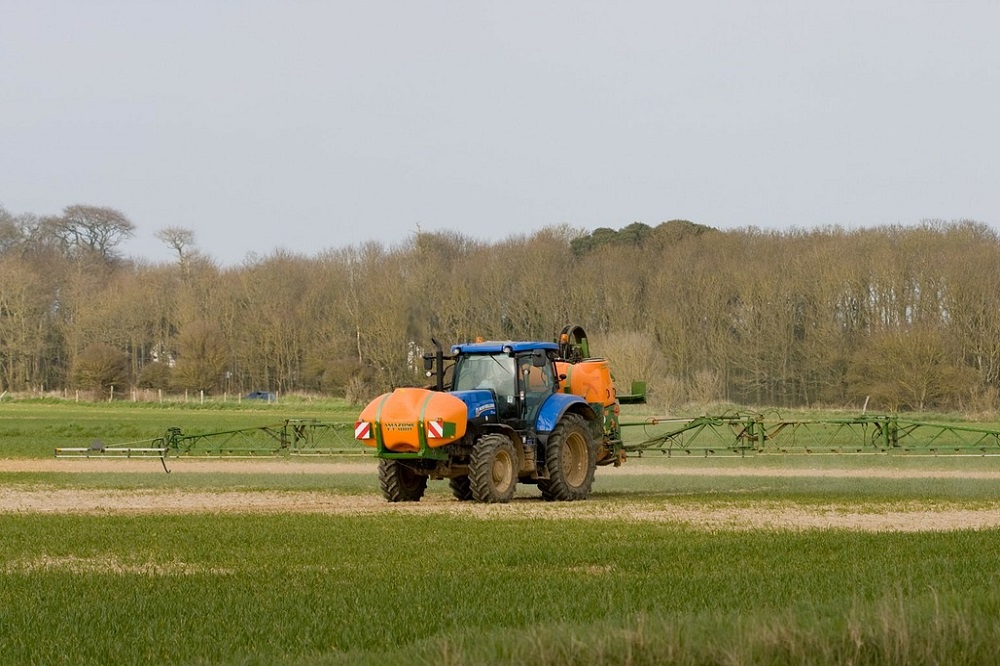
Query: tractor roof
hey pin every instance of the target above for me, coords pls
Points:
(498, 347)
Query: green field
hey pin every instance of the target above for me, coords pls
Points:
(34, 428)
(618, 579)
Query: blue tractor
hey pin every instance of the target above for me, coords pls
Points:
(499, 413)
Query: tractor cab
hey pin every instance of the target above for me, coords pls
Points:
(519, 375)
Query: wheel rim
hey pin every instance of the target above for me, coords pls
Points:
(503, 471)
(409, 480)
(575, 459)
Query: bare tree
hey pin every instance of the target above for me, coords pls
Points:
(9, 233)
(91, 230)
(910, 369)
(101, 367)
(24, 234)
(181, 241)
(25, 324)
(202, 356)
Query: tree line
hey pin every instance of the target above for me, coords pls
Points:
(897, 317)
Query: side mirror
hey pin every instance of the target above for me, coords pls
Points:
(428, 363)
(539, 359)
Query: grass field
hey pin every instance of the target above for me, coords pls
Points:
(771, 559)
(33, 428)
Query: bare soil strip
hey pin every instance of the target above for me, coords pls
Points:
(185, 466)
(367, 466)
(718, 515)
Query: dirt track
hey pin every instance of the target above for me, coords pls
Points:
(185, 466)
(272, 466)
(910, 516)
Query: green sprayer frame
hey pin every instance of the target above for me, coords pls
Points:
(291, 437)
(757, 433)
(735, 433)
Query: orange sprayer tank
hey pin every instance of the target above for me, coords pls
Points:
(408, 414)
(590, 379)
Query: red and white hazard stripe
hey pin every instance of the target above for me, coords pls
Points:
(435, 429)
(362, 430)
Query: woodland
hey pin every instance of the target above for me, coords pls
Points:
(892, 317)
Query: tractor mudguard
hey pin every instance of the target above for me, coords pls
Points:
(556, 405)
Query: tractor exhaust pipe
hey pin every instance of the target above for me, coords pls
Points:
(438, 365)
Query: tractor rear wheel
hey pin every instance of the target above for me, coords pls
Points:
(461, 488)
(493, 469)
(571, 458)
(400, 483)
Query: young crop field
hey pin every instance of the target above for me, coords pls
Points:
(765, 559)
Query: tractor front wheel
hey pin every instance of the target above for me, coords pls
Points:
(461, 488)
(400, 483)
(571, 458)
(493, 469)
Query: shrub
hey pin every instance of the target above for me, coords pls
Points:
(99, 367)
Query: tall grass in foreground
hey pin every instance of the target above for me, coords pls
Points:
(434, 589)
(890, 631)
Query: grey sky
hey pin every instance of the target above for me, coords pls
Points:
(310, 125)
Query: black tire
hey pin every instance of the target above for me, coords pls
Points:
(493, 469)
(400, 483)
(571, 458)
(461, 488)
